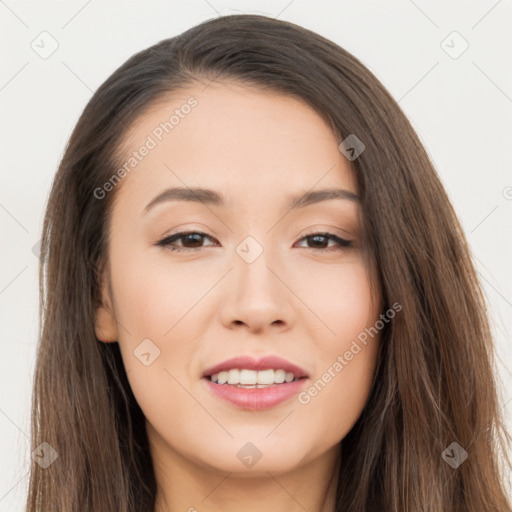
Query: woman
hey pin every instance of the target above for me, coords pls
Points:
(255, 294)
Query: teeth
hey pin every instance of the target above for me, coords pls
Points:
(234, 377)
(249, 377)
(279, 376)
(252, 378)
(263, 377)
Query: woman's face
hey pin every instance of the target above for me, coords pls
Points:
(251, 281)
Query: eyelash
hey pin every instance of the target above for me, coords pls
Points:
(166, 242)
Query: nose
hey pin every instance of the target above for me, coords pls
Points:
(257, 297)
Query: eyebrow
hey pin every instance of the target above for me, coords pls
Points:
(208, 196)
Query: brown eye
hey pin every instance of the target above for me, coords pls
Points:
(190, 240)
(319, 241)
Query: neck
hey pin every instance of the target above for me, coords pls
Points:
(185, 486)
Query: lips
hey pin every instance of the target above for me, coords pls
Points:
(250, 396)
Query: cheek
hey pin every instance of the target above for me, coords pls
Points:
(153, 306)
(341, 298)
(153, 296)
(347, 351)
(152, 302)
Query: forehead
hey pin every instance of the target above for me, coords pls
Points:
(235, 138)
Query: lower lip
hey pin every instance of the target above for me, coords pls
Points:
(256, 398)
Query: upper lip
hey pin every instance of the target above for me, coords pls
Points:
(264, 363)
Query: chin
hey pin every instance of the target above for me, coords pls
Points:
(260, 469)
(253, 458)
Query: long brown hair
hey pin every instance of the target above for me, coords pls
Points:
(435, 378)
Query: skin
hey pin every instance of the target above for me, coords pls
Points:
(206, 304)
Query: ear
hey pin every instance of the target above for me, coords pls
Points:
(105, 324)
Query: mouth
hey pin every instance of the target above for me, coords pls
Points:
(255, 384)
(245, 378)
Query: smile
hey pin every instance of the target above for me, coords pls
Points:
(255, 384)
(252, 378)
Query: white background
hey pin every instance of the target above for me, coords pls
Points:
(461, 109)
